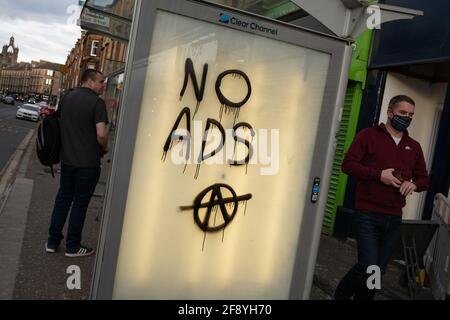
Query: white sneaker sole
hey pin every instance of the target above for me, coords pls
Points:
(49, 250)
(74, 255)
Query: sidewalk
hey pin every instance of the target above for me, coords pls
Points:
(336, 258)
(40, 275)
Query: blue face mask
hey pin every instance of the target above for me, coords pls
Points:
(400, 123)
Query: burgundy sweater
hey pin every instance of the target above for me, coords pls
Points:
(374, 150)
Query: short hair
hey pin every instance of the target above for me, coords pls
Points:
(89, 74)
(400, 98)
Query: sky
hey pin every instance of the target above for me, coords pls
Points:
(43, 29)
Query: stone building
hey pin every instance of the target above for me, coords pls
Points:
(9, 54)
(15, 78)
(45, 78)
(86, 54)
(42, 78)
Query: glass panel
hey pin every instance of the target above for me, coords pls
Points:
(173, 245)
(113, 98)
(122, 8)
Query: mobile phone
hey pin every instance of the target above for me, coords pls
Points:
(397, 175)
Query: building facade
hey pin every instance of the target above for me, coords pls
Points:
(38, 78)
(93, 51)
(113, 56)
(42, 78)
(72, 67)
(15, 78)
(45, 79)
(86, 54)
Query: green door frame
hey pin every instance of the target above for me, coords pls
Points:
(347, 129)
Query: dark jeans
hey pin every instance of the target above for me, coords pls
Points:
(77, 185)
(377, 235)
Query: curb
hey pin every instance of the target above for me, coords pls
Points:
(8, 174)
(16, 197)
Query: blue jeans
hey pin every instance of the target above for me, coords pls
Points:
(377, 235)
(77, 185)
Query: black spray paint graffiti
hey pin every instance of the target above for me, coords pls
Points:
(210, 125)
(229, 106)
(226, 105)
(216, 201)
(199, 91)
(247, 143)
(169, 141)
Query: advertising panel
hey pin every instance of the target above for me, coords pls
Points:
(224, 147)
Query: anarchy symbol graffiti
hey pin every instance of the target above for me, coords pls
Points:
(228, 207)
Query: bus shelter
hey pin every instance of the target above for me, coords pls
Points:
(223, 154)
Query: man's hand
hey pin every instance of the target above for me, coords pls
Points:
(407, 188)
(388, 178)
(103, 152)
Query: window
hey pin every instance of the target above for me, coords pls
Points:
(50, 73)
(94, 48)
(48, 81)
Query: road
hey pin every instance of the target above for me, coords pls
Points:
(12, 132)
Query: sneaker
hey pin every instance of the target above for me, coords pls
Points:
(81, 252)
(50, 248)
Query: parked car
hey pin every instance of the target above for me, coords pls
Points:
(42, 104)
(47, 110)
(9, 100)
(19, 98)
(28, 111)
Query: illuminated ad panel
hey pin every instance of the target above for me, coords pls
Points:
(224, 147)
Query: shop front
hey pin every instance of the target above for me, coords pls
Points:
(412, 58)
(113, 97)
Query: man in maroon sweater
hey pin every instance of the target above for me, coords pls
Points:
(389, 166)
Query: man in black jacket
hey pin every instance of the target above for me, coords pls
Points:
(84, 140)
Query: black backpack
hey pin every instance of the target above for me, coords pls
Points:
(48, 141)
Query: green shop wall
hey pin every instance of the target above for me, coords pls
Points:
(347, 128)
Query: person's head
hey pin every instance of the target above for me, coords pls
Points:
(94, 80)
(400, 112)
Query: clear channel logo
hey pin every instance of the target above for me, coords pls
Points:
(224, 18)
(228, 19)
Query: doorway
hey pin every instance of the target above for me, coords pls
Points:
(429, 98)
